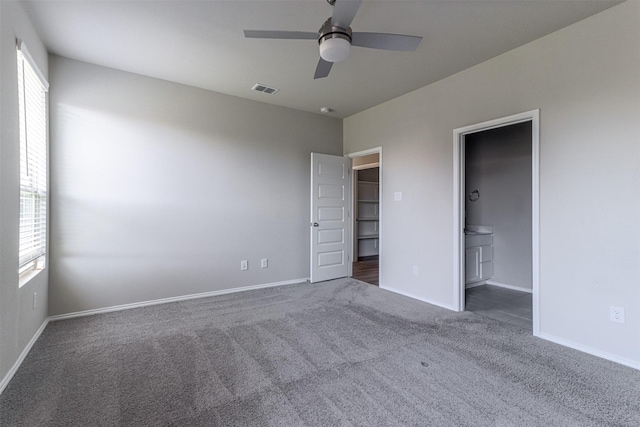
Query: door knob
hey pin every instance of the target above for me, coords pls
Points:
(315, 224)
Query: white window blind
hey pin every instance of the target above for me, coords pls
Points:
(32, 105)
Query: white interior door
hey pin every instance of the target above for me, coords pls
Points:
(330, 216)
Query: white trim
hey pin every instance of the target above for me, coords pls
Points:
(406, 294)
(535, 219)
(366, 166)
(458, 222)
(363, 153)
(172, 299)
(475, 284)
(23, 355)
(30, 272)
(590, 350)
(507, 286)
(458, 205)
(22, 47)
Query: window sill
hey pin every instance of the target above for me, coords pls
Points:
(26, 276)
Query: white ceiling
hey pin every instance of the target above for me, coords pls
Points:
(201, 43)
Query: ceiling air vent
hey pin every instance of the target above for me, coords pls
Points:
(266, 89)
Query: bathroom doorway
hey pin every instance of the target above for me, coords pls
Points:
(496, 219)
(367, 216)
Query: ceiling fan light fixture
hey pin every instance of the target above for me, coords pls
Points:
(335, 42)
(335, 49)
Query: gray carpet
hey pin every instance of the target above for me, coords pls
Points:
(339, 353)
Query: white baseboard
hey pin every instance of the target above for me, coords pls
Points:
(406, 294)
(590, 350)
(23, 355)
(475, 284)
(172, 299)
(504, 285)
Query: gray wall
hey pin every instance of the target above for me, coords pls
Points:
(159, 189)
(585, 81)
(498, 165)
(18, 320)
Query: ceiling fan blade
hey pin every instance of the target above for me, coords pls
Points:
(386, 41)
(291, 35)
(323, 68)
(343, 12)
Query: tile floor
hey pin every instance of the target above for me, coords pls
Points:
(513, 307)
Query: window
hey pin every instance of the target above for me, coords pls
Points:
(32, 104)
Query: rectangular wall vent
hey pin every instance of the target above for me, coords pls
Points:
(265, 89)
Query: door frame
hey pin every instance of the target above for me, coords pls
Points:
(459, 134)
(353, 155)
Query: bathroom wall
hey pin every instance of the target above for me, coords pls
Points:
(498, 165)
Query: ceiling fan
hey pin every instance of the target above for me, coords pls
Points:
(336, 38)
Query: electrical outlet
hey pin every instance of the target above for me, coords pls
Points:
(416, 271)
(616, 314)
(244, 265)
(264, 263)
(35, 300)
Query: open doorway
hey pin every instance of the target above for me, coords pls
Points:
(498, 224)
(367, 216)
(496, 227)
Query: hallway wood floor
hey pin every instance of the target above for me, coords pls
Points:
(366, 271)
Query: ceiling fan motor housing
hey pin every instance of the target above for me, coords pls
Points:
(335, 42)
